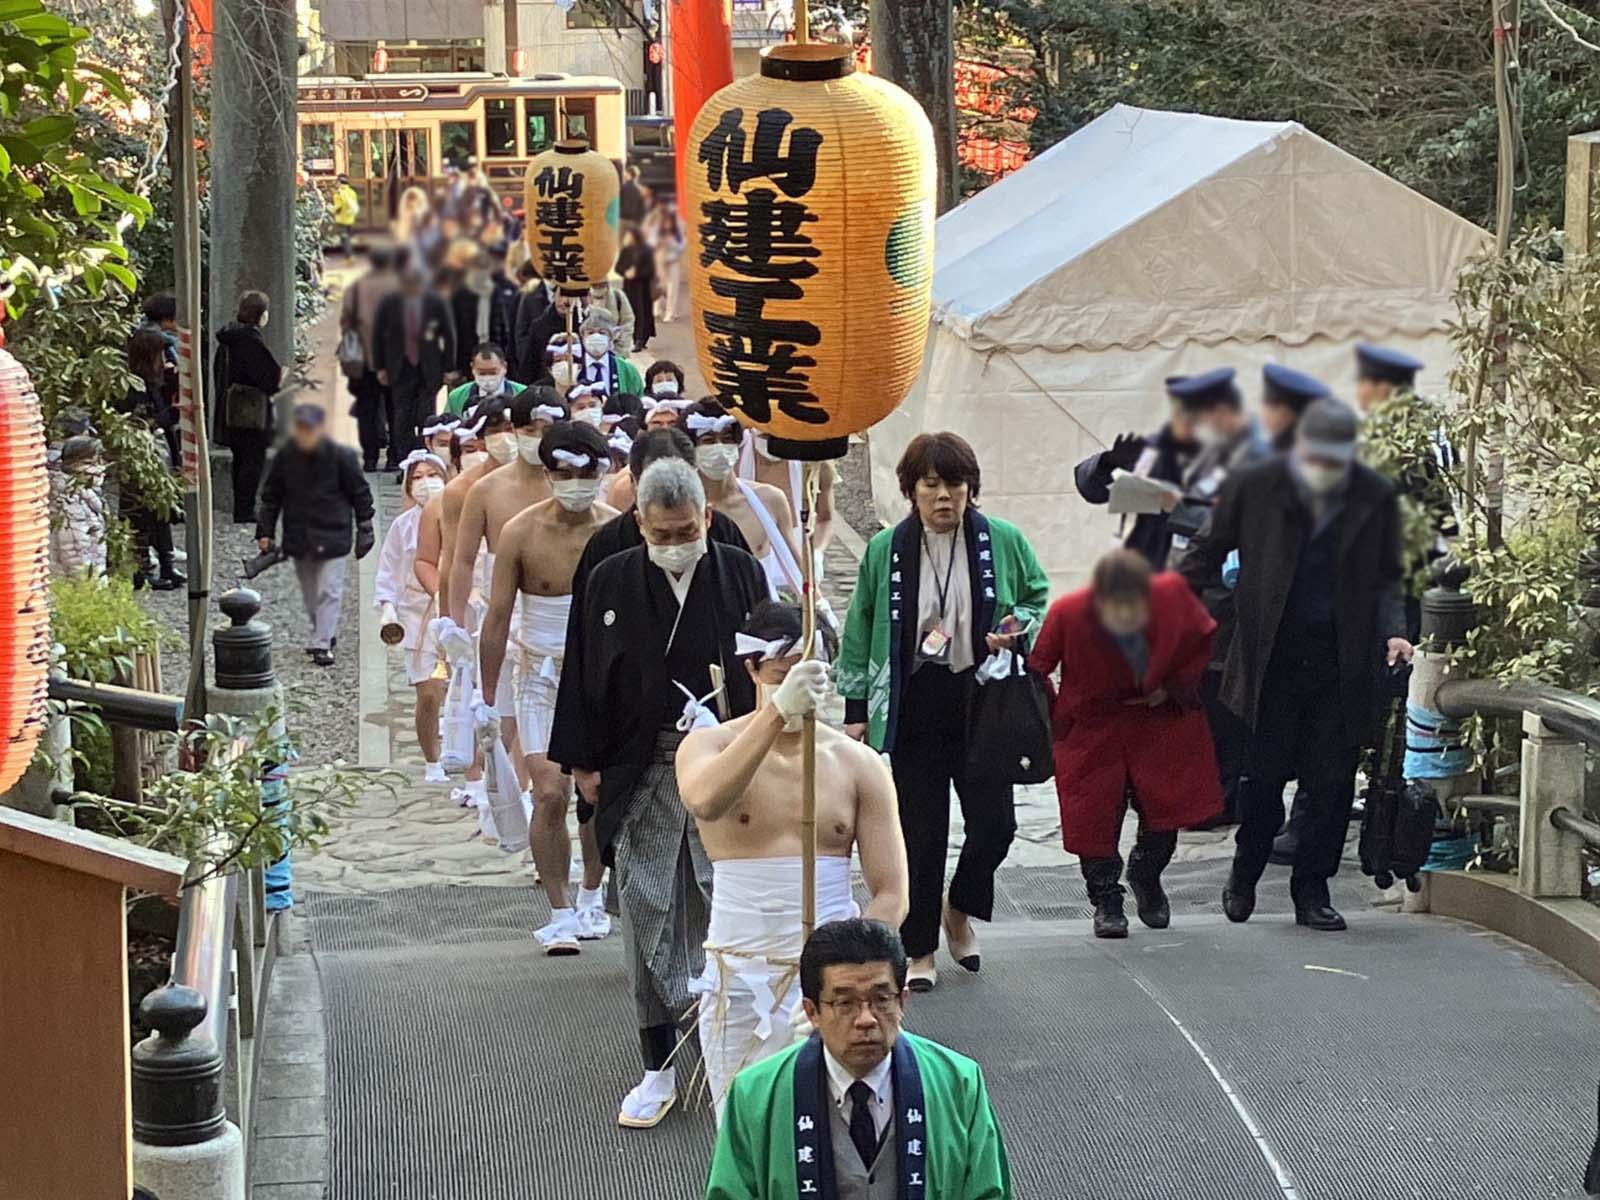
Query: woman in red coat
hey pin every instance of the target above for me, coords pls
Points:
(1129, 727)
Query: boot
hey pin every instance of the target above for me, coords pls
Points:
(1151, 854)
(1287, 844)
(1102, 876)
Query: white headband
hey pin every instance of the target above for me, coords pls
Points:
(422, 456)
(578, 461)
(700, 423)
(744, 645)
(549, 412)
(463, 432)
(651, 405)
(621, 442)
(562, 349)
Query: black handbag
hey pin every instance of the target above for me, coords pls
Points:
(246, 407)
(1397, 819)
(1008, 728)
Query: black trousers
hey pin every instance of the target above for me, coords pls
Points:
(374, 414)
(929, 755)
(1300, 734)
(249, 463)
(149, 532)
(1229, 738)
(413, 403)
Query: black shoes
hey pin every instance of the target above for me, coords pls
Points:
(1238, 900)
(1150, 901)
(323, 658)
(1324, 917)
(1284, 848)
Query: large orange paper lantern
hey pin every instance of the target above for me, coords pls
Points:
(810, 190)
(24, 571)
(571, 196)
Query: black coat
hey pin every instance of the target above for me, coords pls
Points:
(502, 321)
(438, 339)
(528, 337)
(1260, 514)
(1149, 536)
(619, 676)
(242, 357)
(319, 496)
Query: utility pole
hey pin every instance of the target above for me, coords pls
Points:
(191, 351)
(1507, 25)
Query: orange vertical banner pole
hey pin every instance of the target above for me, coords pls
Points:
(701, 37)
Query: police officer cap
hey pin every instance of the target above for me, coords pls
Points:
(1205, 390)
(1291, 388)
(1385, 365)
(309, 416)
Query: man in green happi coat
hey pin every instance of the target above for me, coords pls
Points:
(861, 1110)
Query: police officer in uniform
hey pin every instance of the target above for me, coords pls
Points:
(1163, 456)
(1285, 394)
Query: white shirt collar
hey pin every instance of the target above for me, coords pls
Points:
(878, 1079)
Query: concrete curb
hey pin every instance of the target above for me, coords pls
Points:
(372, 737)
(1565, 930)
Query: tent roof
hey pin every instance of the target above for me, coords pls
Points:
(1159, 226)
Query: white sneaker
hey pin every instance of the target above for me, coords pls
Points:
(462, 797)
(433, 772)
(560, 937)
(644, 1107)
(594, 922)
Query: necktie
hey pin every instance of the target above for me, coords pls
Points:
(863, 1129)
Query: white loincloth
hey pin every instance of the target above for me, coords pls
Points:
(544, 640)
(750, 990)
(783, 572)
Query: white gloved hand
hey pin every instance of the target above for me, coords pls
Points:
(486, 715)
(456, 644)
(802, 690)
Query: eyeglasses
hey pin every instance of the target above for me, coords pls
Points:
(850, 1007)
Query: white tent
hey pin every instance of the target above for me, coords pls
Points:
(1150, 244)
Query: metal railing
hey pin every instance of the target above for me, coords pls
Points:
(1564, 714)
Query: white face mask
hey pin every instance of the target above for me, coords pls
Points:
(473, 458)
(575, 495)
(677, 559)
(528, 447)
(665, 386)
(564, 373)
(502, 446)
(262, 324)
(763, 449)
(1321, 478)
(596, 345)
(490, 382)
(716, 461)
(589, 416)
(424, 490)
(1209, 435)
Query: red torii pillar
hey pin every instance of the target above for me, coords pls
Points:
(701, 33)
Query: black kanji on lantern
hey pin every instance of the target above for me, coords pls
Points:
(760, 241)
(558, 215)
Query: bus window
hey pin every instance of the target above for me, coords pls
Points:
(500, 128)
(316, 149)
(458, 142)
(539, 125)
(355, 153)
(580, 119)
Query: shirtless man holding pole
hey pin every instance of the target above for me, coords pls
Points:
(741, 783)
(490, 503)
(538, 552)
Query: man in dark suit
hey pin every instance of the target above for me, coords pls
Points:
(1317, 611)
(415, 344)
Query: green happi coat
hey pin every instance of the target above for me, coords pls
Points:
(874, 663)
(964, 1154)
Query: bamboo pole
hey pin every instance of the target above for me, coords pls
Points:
(802, 22)
(810, 482)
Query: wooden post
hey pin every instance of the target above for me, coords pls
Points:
(811, 480)
(66, 1125)
(1583, 194)
(802, 35)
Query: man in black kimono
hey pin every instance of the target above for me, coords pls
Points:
(657, 630)
(1163, 456)
(1318, 612)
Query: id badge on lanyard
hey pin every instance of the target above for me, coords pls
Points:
(935, 645)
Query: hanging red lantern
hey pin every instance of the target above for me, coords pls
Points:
(380, 61)
(24, 571)
(519, 62)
